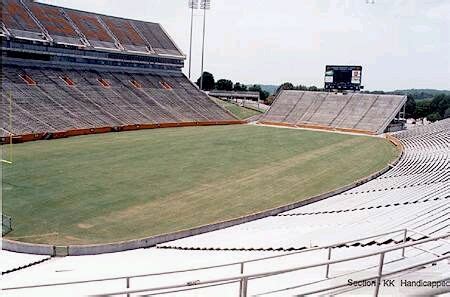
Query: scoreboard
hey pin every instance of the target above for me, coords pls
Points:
(343, 77)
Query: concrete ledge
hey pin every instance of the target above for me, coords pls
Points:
(27, 248)
(78, 250)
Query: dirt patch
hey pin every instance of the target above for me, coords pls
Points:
(85, 226)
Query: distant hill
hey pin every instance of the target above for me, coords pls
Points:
(421, 93)
(418, 94)
(269, 88)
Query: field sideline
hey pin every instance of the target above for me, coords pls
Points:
(120, 186)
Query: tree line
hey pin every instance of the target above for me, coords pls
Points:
(430, 104)
(434, 106)
(209, 83)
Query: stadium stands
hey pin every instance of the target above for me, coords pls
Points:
(99, 99)
(68, 72)
(18, 21)
(56, 24)
(158, 39)
(353, 111)
(62, 26)
(91, 27)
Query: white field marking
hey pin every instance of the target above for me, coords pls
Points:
(318, 130)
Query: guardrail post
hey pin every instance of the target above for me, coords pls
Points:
(241, 282)
(244, 282)
(404, 241)
(128, 285)
(380, 273)
(328, 265)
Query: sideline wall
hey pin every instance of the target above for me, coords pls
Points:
(86, 131)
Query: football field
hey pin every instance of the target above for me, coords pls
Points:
(119, 186)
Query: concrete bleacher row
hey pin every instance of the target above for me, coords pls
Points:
(397, 199)
(365, 112)
(37, 21)
(66, 99)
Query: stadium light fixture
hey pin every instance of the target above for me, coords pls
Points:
(205, 5)
(193, 4)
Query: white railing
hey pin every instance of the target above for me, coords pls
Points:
(241, 264)
(243, 279)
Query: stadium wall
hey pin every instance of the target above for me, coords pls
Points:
(87, 131)
(78, 250)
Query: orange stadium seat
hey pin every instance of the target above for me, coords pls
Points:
(123, 31)
(89, 26)
(136, 84)
(14, 16)
(28, 79)
(52, 19)
(68, 81)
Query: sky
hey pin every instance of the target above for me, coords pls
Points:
(400, 43)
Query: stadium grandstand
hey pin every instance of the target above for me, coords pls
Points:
(357, 112)
(67, 72)
(393, 227)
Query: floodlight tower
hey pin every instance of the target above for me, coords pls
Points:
(205, 5)
(193, 4)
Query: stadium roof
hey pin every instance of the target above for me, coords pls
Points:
(52, 24)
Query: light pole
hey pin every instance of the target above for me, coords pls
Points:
(193, 4)
(205, 5)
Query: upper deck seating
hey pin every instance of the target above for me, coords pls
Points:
(157, 38)
(126, 34)
(91, 28)
(18, 21)
(54, 21)
(33, 20)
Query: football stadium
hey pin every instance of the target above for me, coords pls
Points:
(121, 177)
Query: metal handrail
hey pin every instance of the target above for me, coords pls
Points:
(244, 278)
(241, 263)
(381, 276)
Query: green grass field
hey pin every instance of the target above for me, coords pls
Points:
(119, 186)
(240, 112)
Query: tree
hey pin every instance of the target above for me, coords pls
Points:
(238, 87)
(410, 107)
(440, 103)
(423, 108)
(447, 113)
(285, 86)
(434, 117)
(262, 94)
(269, 100)
(224, 85)
(208, 81)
